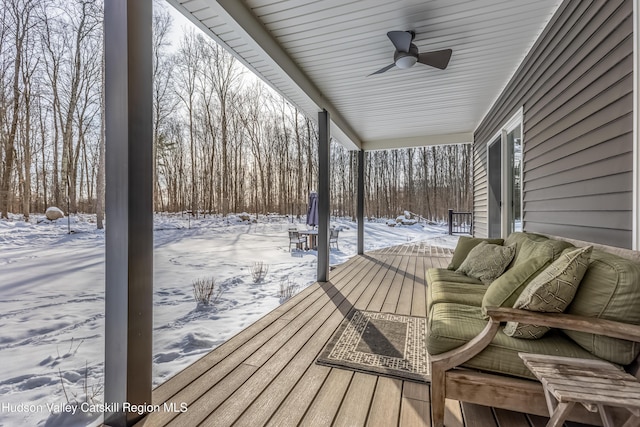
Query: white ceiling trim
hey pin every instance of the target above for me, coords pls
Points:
(419, 141)
(245, 24)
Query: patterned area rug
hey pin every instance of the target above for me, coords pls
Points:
(380, 343)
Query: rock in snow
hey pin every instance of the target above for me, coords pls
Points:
(53, 213)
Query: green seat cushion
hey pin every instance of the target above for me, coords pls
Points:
(610, 289)
(487, 261)
(435, 275)
(459, 293)
(505, 290)
(551, 291)
(452, 325)
(464, 246)
(529, 245)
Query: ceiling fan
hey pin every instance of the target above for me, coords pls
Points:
(407, 54)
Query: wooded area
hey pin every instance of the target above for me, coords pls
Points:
(223, 140)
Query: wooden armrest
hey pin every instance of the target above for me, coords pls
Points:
(460, 355)
(571, 322)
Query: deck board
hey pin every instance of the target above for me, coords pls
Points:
(266, 375)
(393, 296)
(510, 418)
(406, 292)
(478, 416)
(415, 409)
(357, 401)
(385, 407)
(325, 406)
(285, 345)
(453, 414)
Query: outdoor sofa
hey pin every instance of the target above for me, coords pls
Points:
(473, 360)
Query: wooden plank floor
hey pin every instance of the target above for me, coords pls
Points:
(267, 376)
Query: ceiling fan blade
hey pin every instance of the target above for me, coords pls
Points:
(382, 70)
(439, 58)
(401, 40)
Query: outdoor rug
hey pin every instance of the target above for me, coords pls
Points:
(380, 343)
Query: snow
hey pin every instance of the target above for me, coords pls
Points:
(52, 304)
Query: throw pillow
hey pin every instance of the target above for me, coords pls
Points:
(487, 261)
(551, 291)
(505, 290)
(464, 246)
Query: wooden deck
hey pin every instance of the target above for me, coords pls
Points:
(267, 375)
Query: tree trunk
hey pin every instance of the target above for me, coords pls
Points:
(21, 18)
(26, 158)
(100, 179)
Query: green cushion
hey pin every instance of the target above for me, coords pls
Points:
(610, 289)
(464, 246)
(487, 261)
(435, 275)
(459, 293)
(518, 237)
(551, 291)
(452, 325)
(505, 290)
(529, 245)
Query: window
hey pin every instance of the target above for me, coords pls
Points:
(504, 165)
(514, 146)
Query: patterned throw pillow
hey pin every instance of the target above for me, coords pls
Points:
(464, 246)
(551, 291)
(505, 290)
(486, 261)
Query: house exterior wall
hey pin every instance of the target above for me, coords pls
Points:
(575, 88)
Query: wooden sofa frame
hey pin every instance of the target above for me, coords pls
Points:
(448, 380)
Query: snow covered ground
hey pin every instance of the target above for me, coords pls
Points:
(52, 298)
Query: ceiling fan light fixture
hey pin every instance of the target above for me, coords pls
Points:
(406, 62)
(407, 54)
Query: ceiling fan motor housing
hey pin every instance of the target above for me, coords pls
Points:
(405, 60)
(406, 53)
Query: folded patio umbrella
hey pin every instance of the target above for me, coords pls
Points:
(312, 213)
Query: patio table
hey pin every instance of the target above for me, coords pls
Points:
(312, 238)
(595, 384)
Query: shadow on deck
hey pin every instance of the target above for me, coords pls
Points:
(266, 374)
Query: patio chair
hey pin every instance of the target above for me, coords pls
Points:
(333, 237)
(296, 239)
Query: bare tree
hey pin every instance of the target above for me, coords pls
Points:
(226, 76)
(28, 70)
(20, 16)
(72, 42)
(164, 101)
(100, 179)
(220, 145)
(188, 64)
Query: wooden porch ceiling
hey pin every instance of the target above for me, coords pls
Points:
(266, 375)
